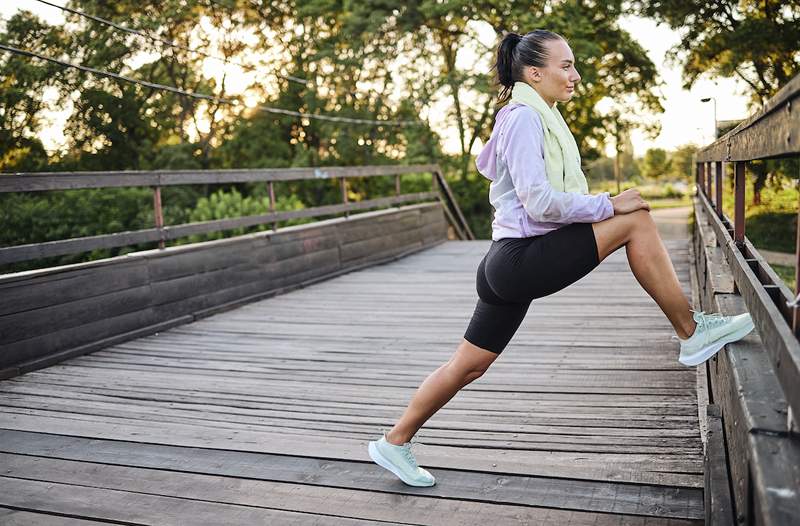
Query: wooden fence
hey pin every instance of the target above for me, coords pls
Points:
(36, 182)
(755, 385)
(50, 314)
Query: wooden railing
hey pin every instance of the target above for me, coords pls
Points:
(33, 182)
(748, 381)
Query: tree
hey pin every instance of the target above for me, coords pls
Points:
(655, 164)
(754, 41)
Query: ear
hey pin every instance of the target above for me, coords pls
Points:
(532, 74)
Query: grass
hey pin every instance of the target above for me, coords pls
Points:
(786, 273)
(669, 202)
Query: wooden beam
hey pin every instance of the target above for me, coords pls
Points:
(42, 181)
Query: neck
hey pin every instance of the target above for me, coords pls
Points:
(550, 102)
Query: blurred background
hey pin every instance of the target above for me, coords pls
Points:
(659, 80)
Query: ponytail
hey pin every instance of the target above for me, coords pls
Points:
(517, 51)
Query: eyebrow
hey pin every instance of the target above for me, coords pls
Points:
(566, 60)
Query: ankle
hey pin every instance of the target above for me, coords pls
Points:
(395, 439)
(688, 330)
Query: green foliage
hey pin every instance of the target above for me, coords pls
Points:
(772, 225)
(346, 51)
(231, 204)
(50, 216)
(787, 274)
(655, 164)
(755, 41)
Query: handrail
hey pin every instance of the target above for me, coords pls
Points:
(45, 181)
(772, 132)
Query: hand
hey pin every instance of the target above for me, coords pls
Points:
(629, 201)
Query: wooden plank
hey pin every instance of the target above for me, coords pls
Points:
(14, 517)
(717, 490)
(598, 467)
(754, 405)
(312, 499)
(566, 410)
(451, 484)
(139, 508)
(32, 182)
(779, 341)
(293, 257)
(769, 132)
(59, 288)
(24, 325)
(775, 478)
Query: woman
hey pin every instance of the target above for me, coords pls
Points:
(547, 233)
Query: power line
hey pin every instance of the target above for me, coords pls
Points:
(203, 96)
(164, 41)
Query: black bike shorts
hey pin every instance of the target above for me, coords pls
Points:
(516, 271)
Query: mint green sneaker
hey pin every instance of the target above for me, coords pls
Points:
(712, 333)
(400, 461)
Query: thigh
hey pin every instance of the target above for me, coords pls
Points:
(616, 231)
(491, 328)
(556, 260)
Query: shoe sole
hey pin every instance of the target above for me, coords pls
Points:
(707, 352)
(384, 463)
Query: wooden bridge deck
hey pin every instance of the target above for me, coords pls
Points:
(261, 415)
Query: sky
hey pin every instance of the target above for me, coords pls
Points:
(685, 119)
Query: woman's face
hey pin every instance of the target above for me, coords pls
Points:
(556, 81)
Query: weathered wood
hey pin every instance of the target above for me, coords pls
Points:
(451, 200)
(717, 490)
(34, 182)
(137, 508)
(14, 517)
(271, 405)
(749, 383)
(152, 287)
(288, 491)
(779, 341)
(771, 132)
(121, 239)
(455, 484)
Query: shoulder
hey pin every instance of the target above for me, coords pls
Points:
(521, 127)
(523, 116)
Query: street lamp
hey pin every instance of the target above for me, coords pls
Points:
(706, 99)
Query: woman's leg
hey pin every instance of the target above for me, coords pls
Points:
(467, 364)
(649, 262)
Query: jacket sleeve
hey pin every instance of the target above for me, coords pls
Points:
(524, 156)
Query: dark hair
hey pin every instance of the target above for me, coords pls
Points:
(516, 51)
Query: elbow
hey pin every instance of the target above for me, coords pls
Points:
(547, 211)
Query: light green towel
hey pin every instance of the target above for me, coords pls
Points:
(561, 157)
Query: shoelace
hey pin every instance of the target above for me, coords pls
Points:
(707, 320)
(710, 320)
(407, 450)
(408, 455)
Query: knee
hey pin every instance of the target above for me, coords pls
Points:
(465, 375)
(642, 219)
(466, 371)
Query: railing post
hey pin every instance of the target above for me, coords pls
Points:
(698, 176)
(158, 215)
(272, 204)
(344, 195)
(796, 308)
(701, 177)
(718, 187)
(738, 203)
(708, 181)
(397, 184)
